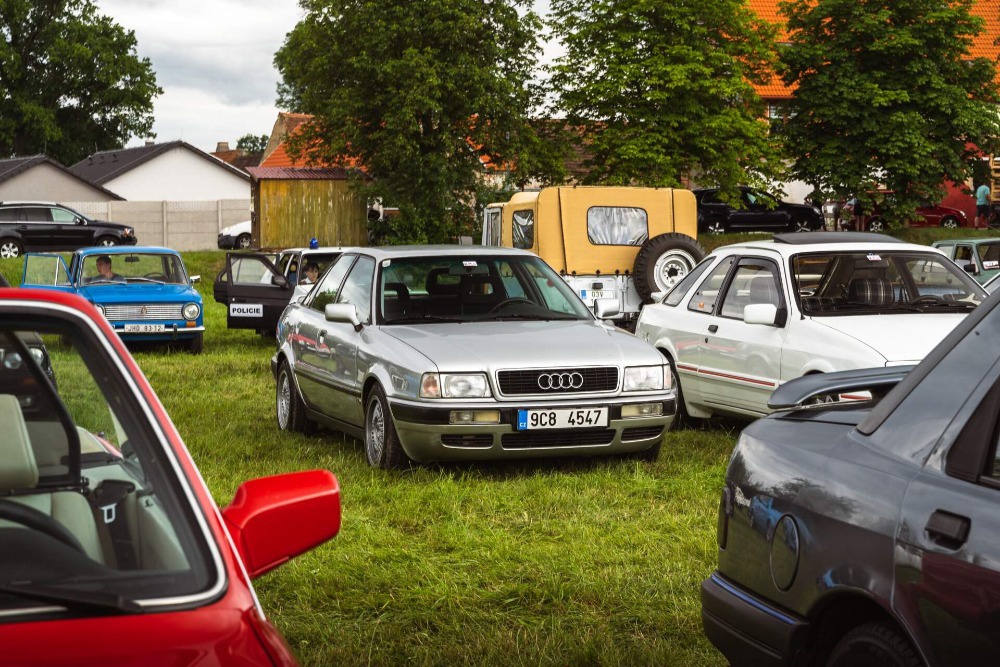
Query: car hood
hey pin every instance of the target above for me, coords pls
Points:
(139, 293)
(109, 225)
(904, 337)
(473, 346)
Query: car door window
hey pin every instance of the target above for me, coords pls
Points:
(329, 285)
(251, 271)
(754, 282)
(62, 215)
(963, 255)
(357, 289)
(9, 214)
(37, 214)
(703, 300)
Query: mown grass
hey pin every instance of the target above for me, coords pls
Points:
(581, 561)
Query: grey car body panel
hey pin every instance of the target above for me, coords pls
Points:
(794, 392)
(868, 505)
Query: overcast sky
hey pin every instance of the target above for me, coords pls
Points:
(214, 61)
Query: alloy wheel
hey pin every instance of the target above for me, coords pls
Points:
(284, 401)
(375, 432)
(9, 250)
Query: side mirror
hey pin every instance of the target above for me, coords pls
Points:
(280, 281)
(80, 221)
(274, 519)
(195, 279)
(606, 308)
(971, 268)
(657, 297)
(343, 312)
(761, 313)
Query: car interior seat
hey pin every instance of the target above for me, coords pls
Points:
(19, 474)
(870, 291)
(397, 306)
(762, 290)
(480, 293)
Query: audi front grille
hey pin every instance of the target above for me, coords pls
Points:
(138, 311)
(557, 380)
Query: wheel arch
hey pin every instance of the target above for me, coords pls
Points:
(839, 612)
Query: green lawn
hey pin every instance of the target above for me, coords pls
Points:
(583, 561)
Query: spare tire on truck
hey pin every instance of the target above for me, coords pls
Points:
(662, 261)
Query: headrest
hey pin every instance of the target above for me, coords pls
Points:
(435, 284)
(477, 285)
(870, 291)
(762, 290)
(18, 469)
(399, 288)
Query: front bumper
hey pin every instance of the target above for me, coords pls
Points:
(171, 331)
(747, 629)
(425, 433)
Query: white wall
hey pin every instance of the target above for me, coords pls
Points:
(45, 182)
(180, 175)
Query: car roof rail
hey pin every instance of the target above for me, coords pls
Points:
(806, 238)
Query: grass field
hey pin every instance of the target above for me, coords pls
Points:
(581, 561)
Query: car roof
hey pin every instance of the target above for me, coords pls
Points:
(125, 250)
(973, 241)
(326, 248)
(800, 242)
(390, 252)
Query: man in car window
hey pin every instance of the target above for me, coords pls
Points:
(312, 273)
(104, 272)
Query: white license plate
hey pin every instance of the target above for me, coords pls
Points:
(144, 328)
(598, 294)
(563, 418)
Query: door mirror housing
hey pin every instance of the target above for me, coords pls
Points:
(274, 519)
(280, 281)
(657, 297)
(606, 308)
(971, 268)
(761, 313)
(343, 312)
(195, 279)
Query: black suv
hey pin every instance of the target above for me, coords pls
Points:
(754, 211)
(40, 226)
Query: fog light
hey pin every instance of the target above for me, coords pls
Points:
(474, 417)
(642, 410)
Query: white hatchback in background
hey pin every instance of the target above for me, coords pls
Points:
(754, 315)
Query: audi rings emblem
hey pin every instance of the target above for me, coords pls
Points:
(553, 381)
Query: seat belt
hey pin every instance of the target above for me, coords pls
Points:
(107, 498)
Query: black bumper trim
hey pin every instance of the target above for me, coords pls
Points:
(508, 415)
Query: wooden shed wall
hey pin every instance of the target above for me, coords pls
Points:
(290, 212)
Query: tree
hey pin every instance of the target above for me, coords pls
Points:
(70, 81)
(415, 94)
(252, 143)
(886, 96)
(665, 88)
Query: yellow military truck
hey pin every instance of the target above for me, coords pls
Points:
(618, 243)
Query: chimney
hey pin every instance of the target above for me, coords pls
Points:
(222, 146)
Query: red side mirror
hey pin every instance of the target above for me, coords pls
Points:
(274, 519)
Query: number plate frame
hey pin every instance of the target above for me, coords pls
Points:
(563, 418)
(144, 328)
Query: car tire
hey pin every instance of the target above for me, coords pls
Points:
(950, 222)
(874, 644)
(800, 223)
(290, 409)
(10, 249)
(681, 417)
(382, 448)
(875, 225)
(196, 344)
(662, 261)
(106, 241)
(243, 241)
(716, 225)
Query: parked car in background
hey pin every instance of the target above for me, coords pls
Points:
(979, 257)
(755, 315)
(236, 236)
(255, 288)
(931, 215)
(753, 211)
(458, 353)
(144, 292)
(113, 549)
(44, 226)
(865, 533)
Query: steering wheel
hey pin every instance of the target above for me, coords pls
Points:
(31, 518)
(156, 276)
(506, 302)
(927, 298)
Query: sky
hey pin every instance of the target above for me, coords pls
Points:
(214, 61)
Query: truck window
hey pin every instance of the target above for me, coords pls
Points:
(524, 229)
(495, 227)
(617, 225)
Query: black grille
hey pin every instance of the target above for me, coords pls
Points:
(526, 382)
(642, 433)
(557, 439)
(477, 440)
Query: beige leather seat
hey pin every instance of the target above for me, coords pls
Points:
(19, 472)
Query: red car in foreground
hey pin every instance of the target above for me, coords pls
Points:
(112, 551)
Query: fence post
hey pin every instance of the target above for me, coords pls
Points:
(166, 226)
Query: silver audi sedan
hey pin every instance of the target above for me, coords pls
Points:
(460, 353)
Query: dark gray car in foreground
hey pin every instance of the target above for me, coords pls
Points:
(868, 532)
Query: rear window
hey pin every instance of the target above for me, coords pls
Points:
(617, 225)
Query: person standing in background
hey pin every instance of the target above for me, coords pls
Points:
(983, 205)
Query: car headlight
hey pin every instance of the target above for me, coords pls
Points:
(448, 385)
(99, 308)
(963, 213)
(646, 378)
(12, 361)
(38, 354)
(191, 311)
(128, 233)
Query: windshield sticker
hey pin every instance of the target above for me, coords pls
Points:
(469, 264)
(872, 257)
(991, 264)
(386, 263)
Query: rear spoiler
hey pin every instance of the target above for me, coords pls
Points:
(876, 380)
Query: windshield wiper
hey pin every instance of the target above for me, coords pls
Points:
(74, 600)
(147, 280)
(426, 318)
(534, 316)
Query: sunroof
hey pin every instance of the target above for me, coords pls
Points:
(806, 238)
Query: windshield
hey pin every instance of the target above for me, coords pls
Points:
(91, 515)
(883, 282)
(135, 267)
(472, 288)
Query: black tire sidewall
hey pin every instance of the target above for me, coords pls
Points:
(874, 644)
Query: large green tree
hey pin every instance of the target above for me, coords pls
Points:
(415, 94)
(886, 96)
(70, 80)
(664, 89)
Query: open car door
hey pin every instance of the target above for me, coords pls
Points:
(46, 270)
(253, 291)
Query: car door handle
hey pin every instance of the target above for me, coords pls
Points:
(948, 530)
(712, 328)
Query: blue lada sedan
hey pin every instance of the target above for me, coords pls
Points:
(144, 291)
